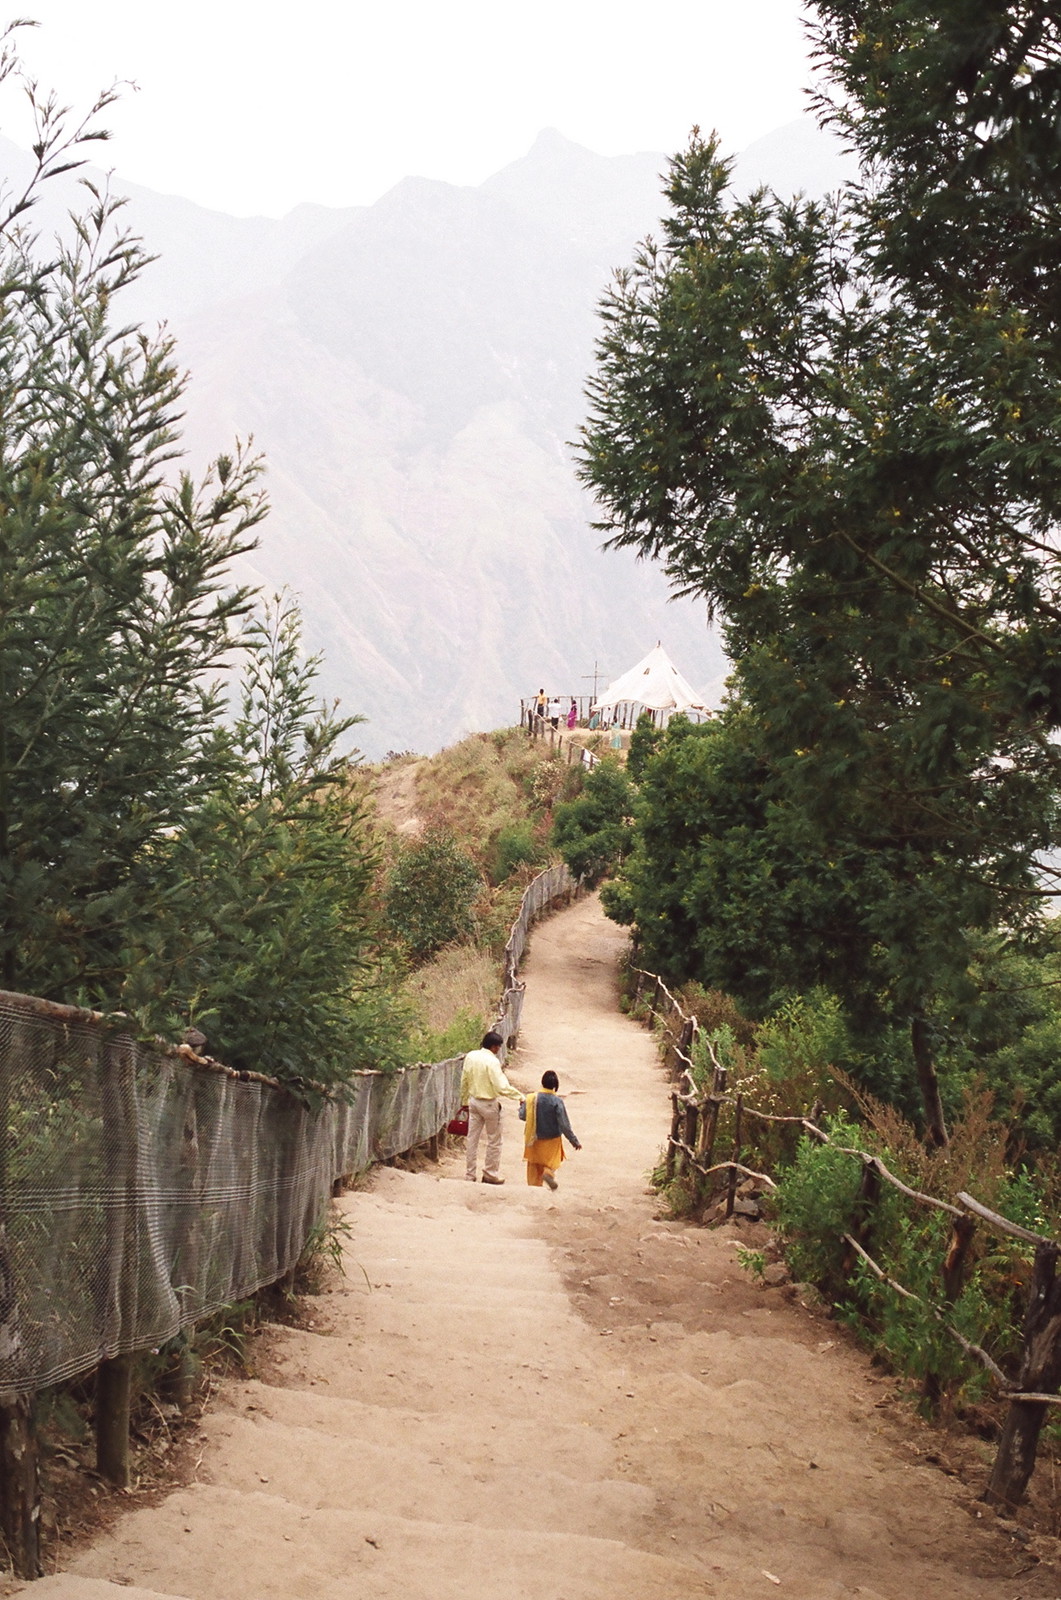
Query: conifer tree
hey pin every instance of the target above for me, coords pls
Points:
(115, 606)
(160, 853)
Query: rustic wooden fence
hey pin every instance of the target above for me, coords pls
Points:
(691, 1149)
(565, 743)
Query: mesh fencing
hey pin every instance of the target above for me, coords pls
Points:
(545, 888)
(142, 1189)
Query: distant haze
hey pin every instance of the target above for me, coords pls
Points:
(413, 370)
(251, 108)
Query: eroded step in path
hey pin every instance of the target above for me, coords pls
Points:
(68, 1586)
(519, 1396)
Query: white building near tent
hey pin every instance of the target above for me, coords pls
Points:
(656, 684)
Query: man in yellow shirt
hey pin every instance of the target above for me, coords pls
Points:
(483, 1085)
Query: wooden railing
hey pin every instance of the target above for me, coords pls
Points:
(691, 1149)
(566, 743)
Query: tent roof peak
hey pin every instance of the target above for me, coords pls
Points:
(654, 683)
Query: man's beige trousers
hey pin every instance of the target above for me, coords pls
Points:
(484, 1114)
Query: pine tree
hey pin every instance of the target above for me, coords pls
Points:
(267, 943)
(115, 605)
(161, 852)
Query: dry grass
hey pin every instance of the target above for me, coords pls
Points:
(483, 791)
(484, 784)
(459, 979)
(454, 998)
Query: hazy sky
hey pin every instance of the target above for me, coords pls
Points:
(250, 108)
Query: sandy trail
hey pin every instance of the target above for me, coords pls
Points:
(515, 1394)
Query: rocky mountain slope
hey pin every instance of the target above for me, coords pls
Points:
(413, 372)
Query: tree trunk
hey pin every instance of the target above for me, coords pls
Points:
(1040, 1373)
(924, 1062)
(20, 1507)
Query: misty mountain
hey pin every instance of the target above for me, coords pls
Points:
(412, 371)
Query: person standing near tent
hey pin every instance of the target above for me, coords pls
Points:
(483, 1086)
(543, 1147)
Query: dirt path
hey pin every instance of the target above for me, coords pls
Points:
(520, 1396)
(395, 797)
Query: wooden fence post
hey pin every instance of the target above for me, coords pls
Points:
(710, 1122)
(114, 1382)
(685, 1040)
(20, 1506)
(689, 1121)
(731, 1191)
(954, 1264)
(865, 1205)
(675, 1131)
(1040, 1373)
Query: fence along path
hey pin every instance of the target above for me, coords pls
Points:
(143, 1187)
(691, 1145)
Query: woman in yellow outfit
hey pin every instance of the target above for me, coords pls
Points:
(546, 1118)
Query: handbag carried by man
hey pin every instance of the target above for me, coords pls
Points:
(459, 1123)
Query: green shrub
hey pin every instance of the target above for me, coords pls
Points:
(494, 918)
(644, 741)
(430, 893)
(815, 1205)
(546, 783)
(514, 847)
(594, 832)
(806, 1038)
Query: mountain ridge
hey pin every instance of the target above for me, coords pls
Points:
(413, 371)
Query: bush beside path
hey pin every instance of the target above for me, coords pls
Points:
(519, 1396)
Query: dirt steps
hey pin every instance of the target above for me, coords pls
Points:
(343, 1554)
(445, 1420)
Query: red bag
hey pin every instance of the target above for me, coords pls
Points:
(459, 1124)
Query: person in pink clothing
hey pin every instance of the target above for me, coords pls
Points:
(572, 715)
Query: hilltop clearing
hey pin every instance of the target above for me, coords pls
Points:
(480, 790)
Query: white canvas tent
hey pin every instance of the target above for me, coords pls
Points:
(654, 683)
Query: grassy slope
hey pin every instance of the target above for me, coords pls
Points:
(490, 791)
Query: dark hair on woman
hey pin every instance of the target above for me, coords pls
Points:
(550, 1080)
